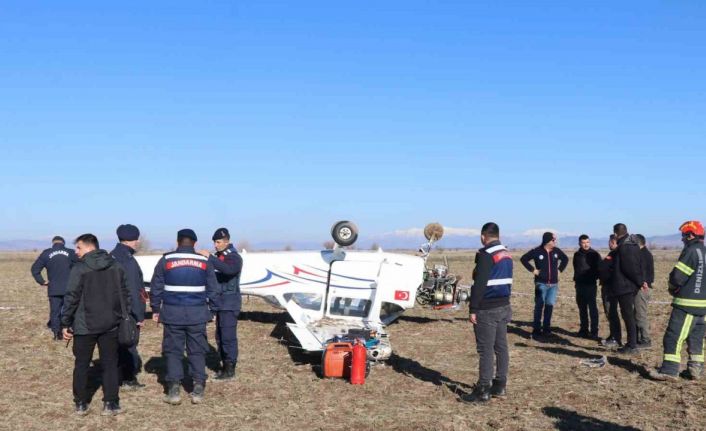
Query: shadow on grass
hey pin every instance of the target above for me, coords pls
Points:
(422, 320)
(516, 327)
(563, 351)
(629, 366)
(95, 379)
(281, 333)
(555, 330)
(616, 361)
(571, 421)
(264, 317)
(157, 365)
(410, 367)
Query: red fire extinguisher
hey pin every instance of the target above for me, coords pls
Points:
(359, 360)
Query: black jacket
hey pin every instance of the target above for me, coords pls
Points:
(549, 264)
(135, 282)
(228, 264)
(605, 271)
(586, 264)
(92, 304)
(58, 261)
(648, 265)
(627, 274)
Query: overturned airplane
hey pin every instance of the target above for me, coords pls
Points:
(334, 294)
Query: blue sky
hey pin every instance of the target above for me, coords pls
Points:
(278, 118)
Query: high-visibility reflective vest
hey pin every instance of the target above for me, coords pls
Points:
(686, 280)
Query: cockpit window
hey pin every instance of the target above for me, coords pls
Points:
(352, 307)
(307, 301)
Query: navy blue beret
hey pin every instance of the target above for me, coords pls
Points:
(220, 233)
(187, 233)
(128, 232)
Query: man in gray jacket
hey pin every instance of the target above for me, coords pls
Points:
(91, 316)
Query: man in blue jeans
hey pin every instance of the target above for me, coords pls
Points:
(548, 261)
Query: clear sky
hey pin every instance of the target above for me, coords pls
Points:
(277, 118)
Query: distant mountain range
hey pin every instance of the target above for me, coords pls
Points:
(459, 239)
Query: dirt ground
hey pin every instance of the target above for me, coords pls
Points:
(434, 362)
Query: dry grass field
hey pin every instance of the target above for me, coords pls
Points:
(434, 362)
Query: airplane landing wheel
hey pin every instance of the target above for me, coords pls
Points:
(345, 233)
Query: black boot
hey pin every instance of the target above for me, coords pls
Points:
(498, 389)
(172, 397)
(227, 373)
(81, 408)
(197, 394)
(131, 384)
(111, 408)
(481, 393)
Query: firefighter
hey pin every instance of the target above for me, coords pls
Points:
(688, 307)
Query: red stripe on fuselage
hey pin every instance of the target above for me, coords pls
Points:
(297, 270)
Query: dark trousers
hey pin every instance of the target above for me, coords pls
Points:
(586, 302)
(227, 335)
(108, 351)
(682, 327)
(56, 303)
(616, 332)
(610, 308)
(491, 341)
(193, 337)
(129, 361)
(627, 311)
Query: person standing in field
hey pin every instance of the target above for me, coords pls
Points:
(490, 312)
(586, 261)
(686, 322)
(548, 261)
(627, 280)
(58, 261)
(130, 362)
(227, 264)
(91, 316)
(610, 306)
(642, 299)
(183, 295)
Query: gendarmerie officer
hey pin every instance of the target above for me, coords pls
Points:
(58, 261)
(228, 265)
(490, 312)
(182, 296)
(129, 359)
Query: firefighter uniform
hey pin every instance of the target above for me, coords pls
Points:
(686, 322)
(228, 265)
(183, 293)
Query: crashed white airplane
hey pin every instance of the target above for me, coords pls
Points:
(331, 294)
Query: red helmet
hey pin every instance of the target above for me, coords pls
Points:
(692, 226)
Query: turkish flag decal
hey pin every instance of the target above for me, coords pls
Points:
(401, 295)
